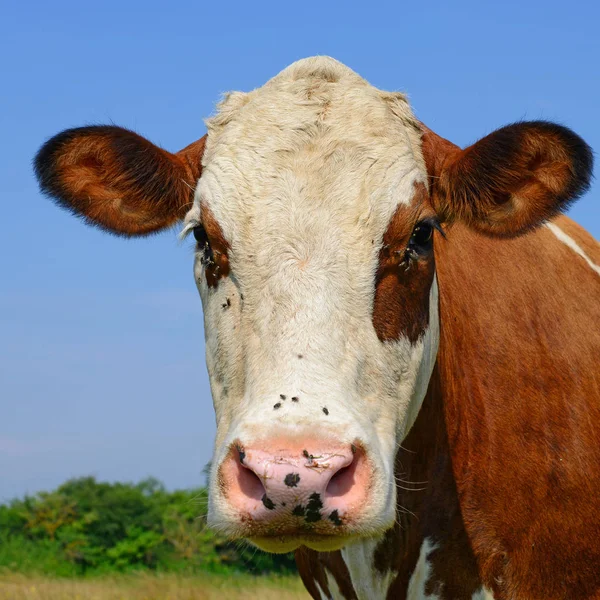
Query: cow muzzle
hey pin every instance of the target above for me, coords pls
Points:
(285, 495)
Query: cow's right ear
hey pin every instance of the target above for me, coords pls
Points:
(118, 180)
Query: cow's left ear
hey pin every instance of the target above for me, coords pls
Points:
(511, 180)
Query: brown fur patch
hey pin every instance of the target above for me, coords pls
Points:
(219, 266)
(581, 237)
(428, 508)
(401, 303)
(519, 367)
(311, 567)
(437, 152)
(118, 180)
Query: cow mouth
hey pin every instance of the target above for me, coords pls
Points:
(281, 544)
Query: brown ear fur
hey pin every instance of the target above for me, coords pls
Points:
(118, 180)
(511, 180)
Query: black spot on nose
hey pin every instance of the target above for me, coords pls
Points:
(300, 356)
(276, 406)
(268, 502)
(291, 479)
(325, 410)
(295, 398)
(282, 396)
(313, 508)
(334, 517)
(298, 511)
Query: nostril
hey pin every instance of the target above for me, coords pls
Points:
(250, 484)
(342, 481)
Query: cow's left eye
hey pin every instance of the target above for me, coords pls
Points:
(203, 244)
(200, 235)
(422, 237)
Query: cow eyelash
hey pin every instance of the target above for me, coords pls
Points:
(202, 242)
(188, 228)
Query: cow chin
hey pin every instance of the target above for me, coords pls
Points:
(284, 544)
(323, 536)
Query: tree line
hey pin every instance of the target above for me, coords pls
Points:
(90, 527)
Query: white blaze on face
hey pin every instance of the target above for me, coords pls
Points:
(303, 176)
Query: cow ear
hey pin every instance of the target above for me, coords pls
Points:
(117, 180)
(511, 180)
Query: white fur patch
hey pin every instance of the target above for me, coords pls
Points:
(421, 575)
(368, 583)
(324, 596)
(571, 243)
(333, 587)
(372, 585)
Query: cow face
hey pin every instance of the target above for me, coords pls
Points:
(315, 214)
(315, 267)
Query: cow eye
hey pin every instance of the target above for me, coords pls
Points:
(422, 237)
(200, 235)
(203, 243)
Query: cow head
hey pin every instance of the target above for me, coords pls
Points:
(315, 202)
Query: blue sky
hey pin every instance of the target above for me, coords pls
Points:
(101, 343)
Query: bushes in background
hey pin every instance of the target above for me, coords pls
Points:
(91, 527)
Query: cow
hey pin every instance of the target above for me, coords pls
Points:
(402, 336)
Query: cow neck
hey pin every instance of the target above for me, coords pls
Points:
(517, 354)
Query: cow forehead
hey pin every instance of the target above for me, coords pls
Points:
(317, 140)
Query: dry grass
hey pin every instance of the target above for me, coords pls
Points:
(152, 587)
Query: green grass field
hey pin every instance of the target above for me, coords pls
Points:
(152, 587)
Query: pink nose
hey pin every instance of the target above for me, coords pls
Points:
(296, 487)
